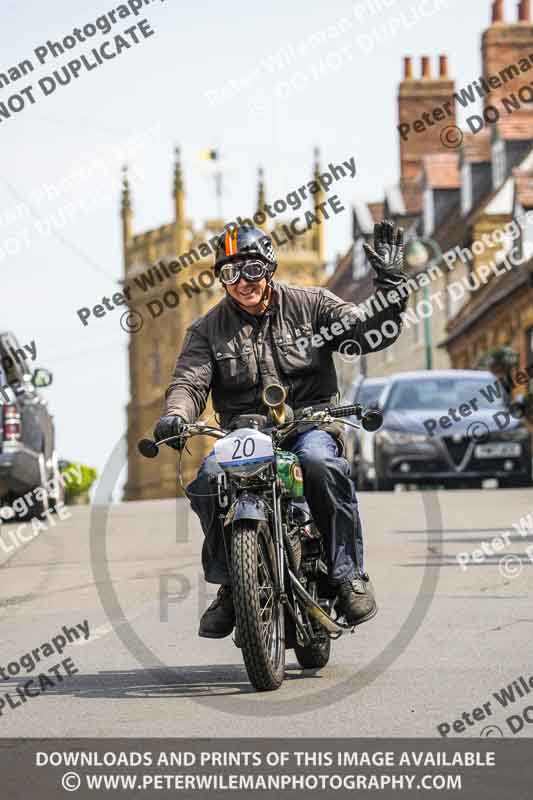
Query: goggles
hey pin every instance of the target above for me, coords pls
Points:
(250, 270)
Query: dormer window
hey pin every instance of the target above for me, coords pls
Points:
(498, 163)
(466, 188)
(429, 211)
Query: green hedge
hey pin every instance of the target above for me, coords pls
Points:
(75, 485)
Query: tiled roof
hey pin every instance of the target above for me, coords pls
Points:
(441, 171)
(343, 273)
(452, 231)
(491, 294)
(517, 127)
(412, 198)
(524, 188)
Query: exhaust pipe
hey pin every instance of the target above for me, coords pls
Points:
(314, 609)
(274, 396)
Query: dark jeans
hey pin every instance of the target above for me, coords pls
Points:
(330, 493)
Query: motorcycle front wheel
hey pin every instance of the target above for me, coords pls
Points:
(259, 613)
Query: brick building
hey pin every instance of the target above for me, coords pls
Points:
(454, 188)
(499, 314)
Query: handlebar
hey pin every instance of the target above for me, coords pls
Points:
(345, 411)
(371, 420)
(150, 449)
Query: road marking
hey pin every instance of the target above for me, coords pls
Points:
(103, 630)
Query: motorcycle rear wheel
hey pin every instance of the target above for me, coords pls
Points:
(259, 614)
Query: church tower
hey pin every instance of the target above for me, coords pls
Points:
(164, 321)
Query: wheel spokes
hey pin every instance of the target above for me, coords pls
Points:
(268, 605)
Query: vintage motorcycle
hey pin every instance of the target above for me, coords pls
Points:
(276, 554)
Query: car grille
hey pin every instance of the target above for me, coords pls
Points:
(492, 465)
(456, 449)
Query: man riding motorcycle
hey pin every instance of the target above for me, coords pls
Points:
(248, 341)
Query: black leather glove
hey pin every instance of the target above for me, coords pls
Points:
(169, 425)
(387, 256)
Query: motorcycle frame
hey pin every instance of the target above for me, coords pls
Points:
(301, 597)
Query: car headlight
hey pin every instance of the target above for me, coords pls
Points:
(397, 437)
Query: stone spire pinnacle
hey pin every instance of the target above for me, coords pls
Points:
(316, 156)
(178, 175)
(318, 198)
(179, 203)
(126, 212)
(261, 195)
(126, 194)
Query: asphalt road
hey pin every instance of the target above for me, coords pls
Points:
(444, 641)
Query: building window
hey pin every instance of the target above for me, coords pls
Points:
(466, 189)
(429, 212)
(498, 163)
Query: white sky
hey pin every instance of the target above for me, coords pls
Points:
(166, 81)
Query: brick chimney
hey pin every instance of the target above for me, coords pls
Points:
(505, 42)
(418, 96)
(497, 11)
(426, 67)
(524, 11)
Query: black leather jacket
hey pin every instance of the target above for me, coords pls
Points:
(234, 354)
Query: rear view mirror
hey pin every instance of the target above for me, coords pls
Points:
(41, 378)
(372, 421)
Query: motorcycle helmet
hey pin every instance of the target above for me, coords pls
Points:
(239, 243)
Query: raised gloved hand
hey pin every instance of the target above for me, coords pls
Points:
(387, 256)
(169, 425)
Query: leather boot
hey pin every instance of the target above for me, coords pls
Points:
(356, 601)
(219, 619)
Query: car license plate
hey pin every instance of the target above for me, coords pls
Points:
(498, 450)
